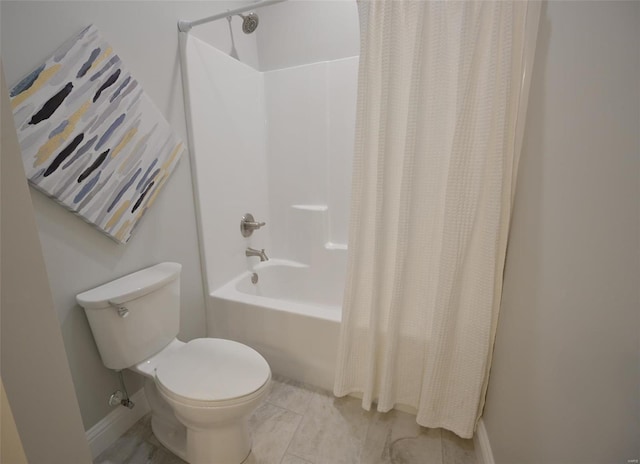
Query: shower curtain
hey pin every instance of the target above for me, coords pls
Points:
(439, 101)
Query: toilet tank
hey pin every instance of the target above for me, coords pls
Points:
(135, 316)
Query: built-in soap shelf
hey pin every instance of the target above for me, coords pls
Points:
(308, 236)
(318, 208)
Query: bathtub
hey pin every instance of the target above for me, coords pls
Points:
(291, 316)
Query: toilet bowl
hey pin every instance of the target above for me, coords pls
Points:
(201, 393)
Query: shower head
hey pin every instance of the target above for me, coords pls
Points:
(249, 22)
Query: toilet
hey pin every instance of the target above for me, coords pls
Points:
(202, 392)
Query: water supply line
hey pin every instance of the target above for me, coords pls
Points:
(121, 397)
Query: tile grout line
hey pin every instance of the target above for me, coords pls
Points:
(286, 451)
(292, 435)
(296, 456)
(293, 412)
(306, 461)
(366, 434)
(300, 387)
(284, 407)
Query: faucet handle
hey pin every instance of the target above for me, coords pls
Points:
(248, 225)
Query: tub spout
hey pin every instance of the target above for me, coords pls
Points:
(251, 252)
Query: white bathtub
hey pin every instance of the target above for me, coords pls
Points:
(291, 316)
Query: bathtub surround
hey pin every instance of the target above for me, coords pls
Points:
(91, 138)
(438, 102)
(286, 160)
(310, 112)
(226, 122)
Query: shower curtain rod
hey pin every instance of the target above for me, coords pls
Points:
(185, 26)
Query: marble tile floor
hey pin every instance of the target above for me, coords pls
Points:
(301, 425)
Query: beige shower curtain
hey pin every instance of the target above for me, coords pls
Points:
(440, 98)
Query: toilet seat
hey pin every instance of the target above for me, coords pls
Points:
(212, 372)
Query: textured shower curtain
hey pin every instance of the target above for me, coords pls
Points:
(434, 169)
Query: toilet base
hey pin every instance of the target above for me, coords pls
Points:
(217, 446)
(226, 442)
(172, 438)
(164, 424)
(222, 444)
(217, 434)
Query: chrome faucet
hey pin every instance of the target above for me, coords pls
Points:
(252, 252)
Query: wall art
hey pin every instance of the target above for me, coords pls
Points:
(91, 138)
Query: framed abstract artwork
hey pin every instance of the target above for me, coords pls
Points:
(91, 138)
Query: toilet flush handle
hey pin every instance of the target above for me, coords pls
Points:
(123, 311)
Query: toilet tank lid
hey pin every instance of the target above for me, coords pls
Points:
(130, 286)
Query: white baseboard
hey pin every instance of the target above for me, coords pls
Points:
(484, 455)
(111, 427)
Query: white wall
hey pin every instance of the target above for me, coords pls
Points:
(78, 257)
(565, 378)
(35, 372)
(12, 450)
(300, 32)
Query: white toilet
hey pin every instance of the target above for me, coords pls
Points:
(202, 392)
